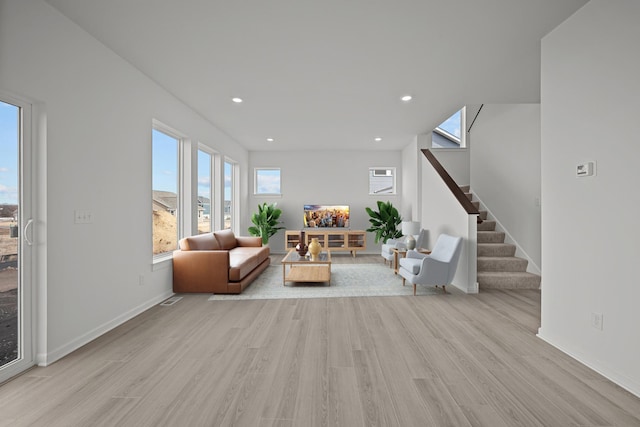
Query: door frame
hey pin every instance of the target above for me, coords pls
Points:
(27, 243)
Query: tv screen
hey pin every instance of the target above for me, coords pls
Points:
(325, 216)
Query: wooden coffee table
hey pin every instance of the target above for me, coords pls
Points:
(303, 269)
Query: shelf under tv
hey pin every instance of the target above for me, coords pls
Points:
(335, 239)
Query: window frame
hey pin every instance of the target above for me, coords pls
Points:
(394, 178)
(212, 175)
(234, 194)
(180, 199)
(462, 140)
(255, 181)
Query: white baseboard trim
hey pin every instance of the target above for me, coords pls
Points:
(623, 381)
(472, 289)
(45, 359)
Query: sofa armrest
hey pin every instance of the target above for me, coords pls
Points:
(249, 241)
(200, 271)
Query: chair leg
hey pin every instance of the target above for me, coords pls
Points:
(414, 289)
(403, 279)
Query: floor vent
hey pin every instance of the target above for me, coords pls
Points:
(171, 301)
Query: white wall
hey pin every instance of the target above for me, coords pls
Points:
(442, 213)
(411, 195)
(456, 161)
(324, 177)
(99, 112)
(505, 173)
(590, 252)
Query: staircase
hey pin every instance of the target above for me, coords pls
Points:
(498, 267)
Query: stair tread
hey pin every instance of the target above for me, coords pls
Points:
(508, 280)
(507, 273)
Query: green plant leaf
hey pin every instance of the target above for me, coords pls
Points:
(384, 222)
(266, 221)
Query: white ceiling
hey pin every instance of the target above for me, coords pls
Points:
(329, 74)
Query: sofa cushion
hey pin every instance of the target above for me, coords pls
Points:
(226, 239)
(241, 262)
(201, 242)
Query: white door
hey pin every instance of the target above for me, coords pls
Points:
(16, 237)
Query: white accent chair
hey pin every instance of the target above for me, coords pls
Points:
(421, 239)
(437, 268)
(399, 243)
(387, 249)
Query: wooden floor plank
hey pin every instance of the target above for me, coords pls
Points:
(445, 359)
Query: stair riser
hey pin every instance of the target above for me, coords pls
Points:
(496, 250)
(498, 268)
(487, 226)
(487, 281)
(502, 264)
(490, 237)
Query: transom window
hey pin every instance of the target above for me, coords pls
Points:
(451, 132)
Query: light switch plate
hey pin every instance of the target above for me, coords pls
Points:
(585, 169)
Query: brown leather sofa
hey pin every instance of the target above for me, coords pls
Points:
(218, 262)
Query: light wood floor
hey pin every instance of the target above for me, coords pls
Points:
(444, 360)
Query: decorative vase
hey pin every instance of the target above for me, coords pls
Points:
(411, 242)
(301, 247)
(314, 248)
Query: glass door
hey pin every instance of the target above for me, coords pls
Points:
(16, 235)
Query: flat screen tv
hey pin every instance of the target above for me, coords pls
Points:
(326, 216)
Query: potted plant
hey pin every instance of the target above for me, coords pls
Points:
(266, 222)
(384, 222)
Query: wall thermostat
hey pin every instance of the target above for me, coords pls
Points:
(585, 169)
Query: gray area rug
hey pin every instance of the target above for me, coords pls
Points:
(347, 280)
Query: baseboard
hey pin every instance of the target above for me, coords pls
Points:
(623, 381)
(473, 289)
(45, 359)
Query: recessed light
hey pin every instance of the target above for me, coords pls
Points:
(407, 98)
(270, 139)
(237, 100)
(377, 139)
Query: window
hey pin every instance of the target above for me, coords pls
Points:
(229, 190)
(382, 180)
(266, 181)
(205, 193)
(165, 185)
(451, 132)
